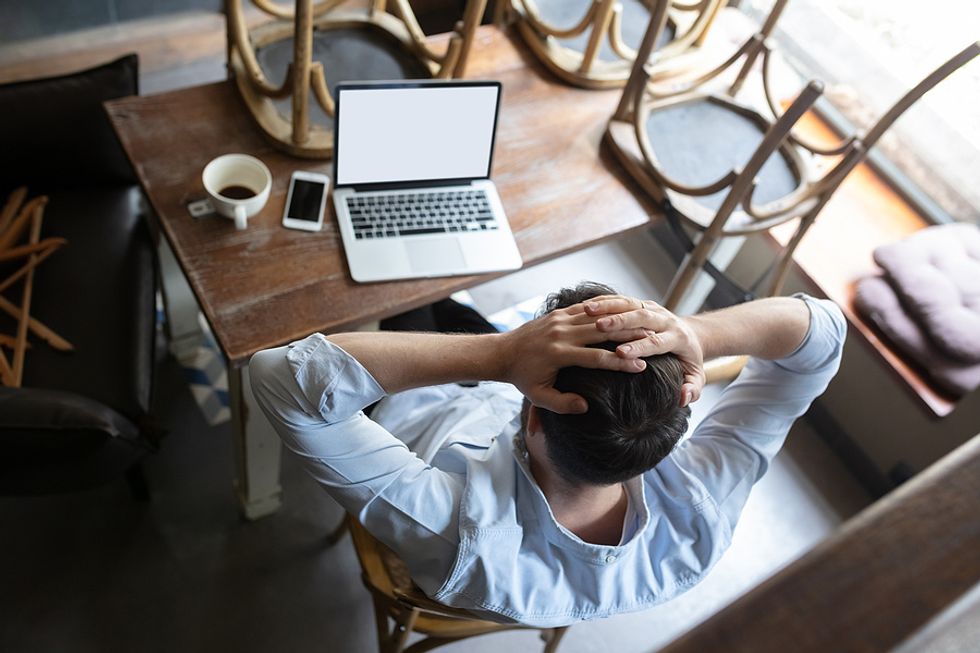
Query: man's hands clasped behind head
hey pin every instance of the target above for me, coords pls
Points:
(535, 352)
(660, 332)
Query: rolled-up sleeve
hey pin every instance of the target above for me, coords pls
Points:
(313, 393)
(732, 447)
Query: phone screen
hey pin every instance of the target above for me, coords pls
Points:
(306, 200)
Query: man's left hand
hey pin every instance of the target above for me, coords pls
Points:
(647, 329)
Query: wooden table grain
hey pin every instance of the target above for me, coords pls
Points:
(266, 285)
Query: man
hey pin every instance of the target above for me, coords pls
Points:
(576, 502)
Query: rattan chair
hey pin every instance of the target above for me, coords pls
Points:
(401, 608)
(592, 47)
(286, 68)
(671, 139)
(777, 167)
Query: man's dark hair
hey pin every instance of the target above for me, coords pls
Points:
(633, 421)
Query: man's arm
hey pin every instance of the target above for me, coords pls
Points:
(313, 392)
(529, 357)
(766, 328)
(796, 346)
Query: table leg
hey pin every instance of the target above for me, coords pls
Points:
(183, 326)
(257, 450)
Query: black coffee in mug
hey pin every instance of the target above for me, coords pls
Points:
(237, 192)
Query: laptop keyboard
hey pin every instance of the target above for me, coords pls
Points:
(408, 214)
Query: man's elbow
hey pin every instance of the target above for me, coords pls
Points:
(839, 333)
(839, 323)
(261, 372)
(831, 326)
(271, 380)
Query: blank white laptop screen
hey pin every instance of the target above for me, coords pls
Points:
(415, 134)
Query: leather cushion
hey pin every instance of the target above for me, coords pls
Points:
(54, 441)
(98, 293)
(878, 301)
(55, 132)
(936, 273)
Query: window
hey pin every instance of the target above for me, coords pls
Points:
(869, 53)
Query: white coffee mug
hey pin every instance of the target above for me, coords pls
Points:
(238, 185)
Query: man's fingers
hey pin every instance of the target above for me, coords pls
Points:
(637, 319)
(578, 331)
(565, 403)
(626, 336)
(602, 360)
(581, 334)
(609, 304)
(651, 343)
(583, 306)
(573, 315)
(690, 392)
(694, 380)
(580, 318)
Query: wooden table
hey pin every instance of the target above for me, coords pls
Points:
(267, 285)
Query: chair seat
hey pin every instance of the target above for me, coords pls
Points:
(699, 141)
(98, 293)
(564, 14)
(397, 597)
(385, 572)
(348, 53)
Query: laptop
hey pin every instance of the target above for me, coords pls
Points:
(412, 189)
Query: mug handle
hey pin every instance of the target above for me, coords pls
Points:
(241, 217)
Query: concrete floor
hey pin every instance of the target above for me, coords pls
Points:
(97, 571)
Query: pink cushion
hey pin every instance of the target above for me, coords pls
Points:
(936, 273)
(877, 301)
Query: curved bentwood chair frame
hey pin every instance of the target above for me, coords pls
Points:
(603, 19)
(401, 608)
(738, 214)
(393, 20)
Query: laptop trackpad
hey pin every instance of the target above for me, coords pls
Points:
(435, 255)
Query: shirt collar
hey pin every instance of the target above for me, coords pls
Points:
(531, 498)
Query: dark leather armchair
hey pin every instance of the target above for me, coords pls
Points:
(82, 417)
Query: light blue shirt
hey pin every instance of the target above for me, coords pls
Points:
(462, 509)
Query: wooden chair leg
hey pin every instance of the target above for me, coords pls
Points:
(393, 639)
(782, 266)
(502, 16)
(36, 327)
(688, 271)
(14, 202)
(403, 628)
(20, 347)
(27, 268)
(552, 637)
(381, 624)
(600, 27)
(6, 371)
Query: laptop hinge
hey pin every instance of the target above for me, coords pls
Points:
(402, 185)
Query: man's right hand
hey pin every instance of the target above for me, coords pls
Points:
(621, 318)
(532, 355)
(770, 328)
